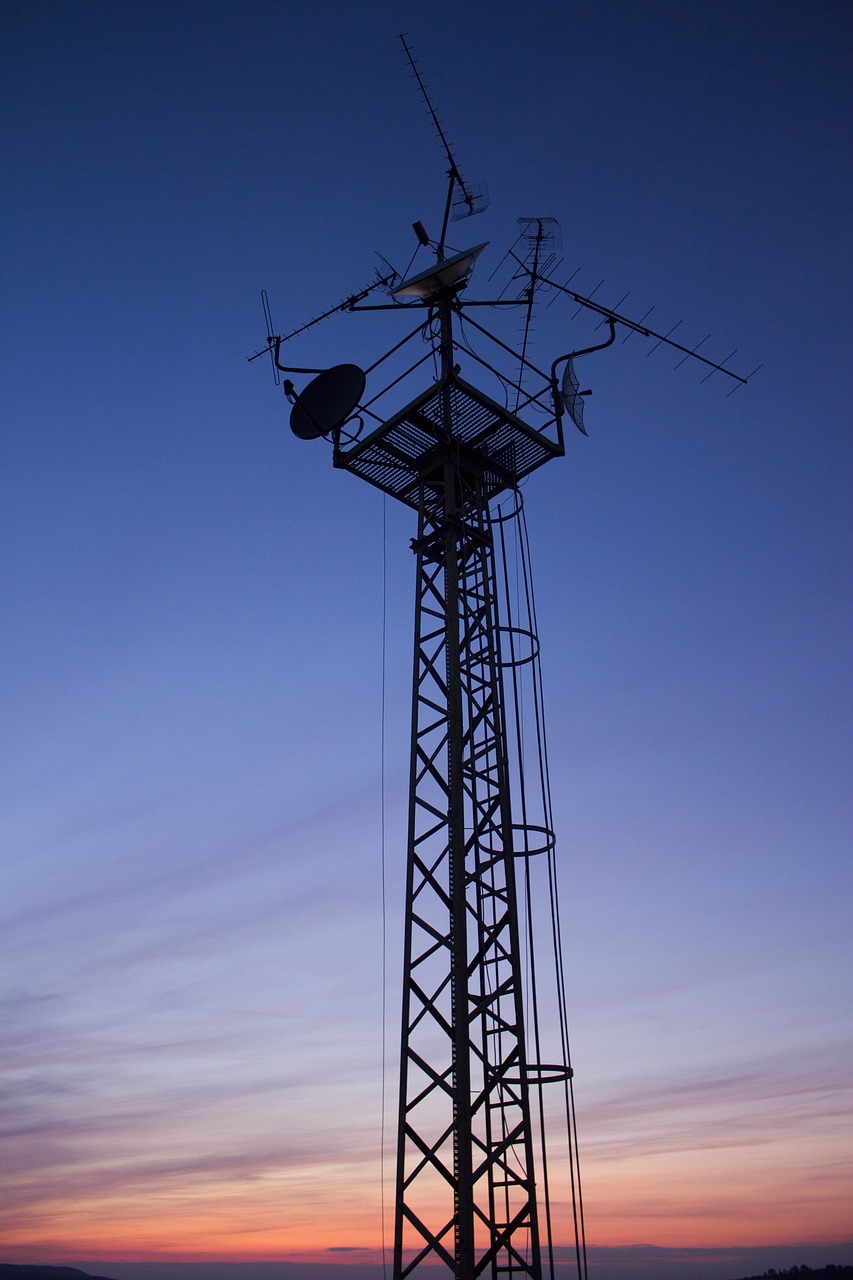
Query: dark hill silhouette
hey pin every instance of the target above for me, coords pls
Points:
(807, 1273)
(24, 1271)
(352, 1271)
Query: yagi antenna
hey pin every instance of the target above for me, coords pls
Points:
(636, 326)
(275, 341)
(471, 199)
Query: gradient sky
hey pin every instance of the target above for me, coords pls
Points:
(193, 601)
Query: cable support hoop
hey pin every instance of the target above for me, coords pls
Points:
(498, 516)
(542, 1073)
(533, 828)
(516, 660)
(520, 849)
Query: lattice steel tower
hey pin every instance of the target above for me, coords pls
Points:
(476, 1188)
(465, 1178)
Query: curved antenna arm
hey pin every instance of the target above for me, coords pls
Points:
(559, 403)
(586, 351)
(287, 368)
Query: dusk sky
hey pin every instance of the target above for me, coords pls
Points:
(193, 600)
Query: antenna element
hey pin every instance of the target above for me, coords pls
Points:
(471, 198)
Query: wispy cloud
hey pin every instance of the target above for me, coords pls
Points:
(764, 1098)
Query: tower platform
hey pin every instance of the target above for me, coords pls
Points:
(488, 440)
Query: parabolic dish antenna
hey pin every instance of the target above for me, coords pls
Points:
(327, 401)
(439, 276)
(572, 396)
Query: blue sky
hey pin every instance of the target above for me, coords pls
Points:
(193, 605)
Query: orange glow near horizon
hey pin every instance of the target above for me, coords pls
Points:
(703, 1167)
(334, 1215)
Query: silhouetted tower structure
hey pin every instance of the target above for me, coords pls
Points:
(465, 1177)
(473, 1181)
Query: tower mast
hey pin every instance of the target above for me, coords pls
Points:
(465, 1184)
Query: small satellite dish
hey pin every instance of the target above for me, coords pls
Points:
(327, 401)
(572, 396)
(439, 276)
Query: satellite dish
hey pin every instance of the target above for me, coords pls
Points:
(572, 396)
(439, 276)
(327, 402)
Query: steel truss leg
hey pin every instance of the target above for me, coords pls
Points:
(465, 1185)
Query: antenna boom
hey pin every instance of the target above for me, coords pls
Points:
(453, 168)
(636, 327)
